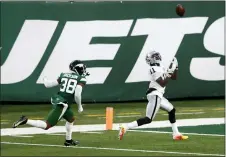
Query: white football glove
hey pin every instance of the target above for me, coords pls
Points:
(174, 66)
(170, 71)
(80, 109)
(175, 62)
(87, 73)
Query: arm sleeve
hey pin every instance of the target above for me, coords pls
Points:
(50, 83)
(77, 95)
(82, 81)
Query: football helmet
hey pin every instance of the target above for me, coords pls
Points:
(153, 57)
(78, 66)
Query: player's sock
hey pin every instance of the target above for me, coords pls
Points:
(144, 120)
(37, 123)
(132, 125)
(174, 128)
(68, 130)
(172, 119)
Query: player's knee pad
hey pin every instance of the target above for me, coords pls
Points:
(172, 117)
(143, 121)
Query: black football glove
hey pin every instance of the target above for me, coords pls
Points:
(87, 73)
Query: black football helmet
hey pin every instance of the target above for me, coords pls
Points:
(78, 66)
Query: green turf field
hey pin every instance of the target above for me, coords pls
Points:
(203, 139)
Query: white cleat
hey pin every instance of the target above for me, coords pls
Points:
(122, 131)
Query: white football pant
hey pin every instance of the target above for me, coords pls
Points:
(154, 103)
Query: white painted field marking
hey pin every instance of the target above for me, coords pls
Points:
(37, 118)
(101, 127)
(191, 110)
(119, 114)
(21, 136)
(91, 132)
(56, 134)
(128, 116)
(187, 113)
(3, 120)
(116, 149)
(166, 132)
(122, 116)
(4, 123)
(185, 122)
(219, 109)
(85, 132)
(128, 113)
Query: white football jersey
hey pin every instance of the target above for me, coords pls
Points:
(155, 72)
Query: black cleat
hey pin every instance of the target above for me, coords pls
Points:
(21, 121)
(71, 143)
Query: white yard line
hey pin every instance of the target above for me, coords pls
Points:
(56, 134)
(187, 113)
(186, 122)
(2, 123)
(84, 132)
(166, 132)
(101, 127)
(115, 149)
(3, 120)
(122, 116)
(91, 132)
(21, 136)
(128, 116)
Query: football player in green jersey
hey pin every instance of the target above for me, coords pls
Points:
(71, 84)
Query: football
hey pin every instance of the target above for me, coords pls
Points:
(180, 10)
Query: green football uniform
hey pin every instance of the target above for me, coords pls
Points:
(68, 83)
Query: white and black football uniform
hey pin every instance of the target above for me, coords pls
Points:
(155, 92)
(159, 77)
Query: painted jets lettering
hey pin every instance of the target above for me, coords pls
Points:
(163, 35)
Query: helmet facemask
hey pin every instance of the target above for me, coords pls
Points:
(78, 67)
(153, 57)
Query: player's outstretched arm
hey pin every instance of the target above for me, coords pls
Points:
(50, 83)
(78, 97)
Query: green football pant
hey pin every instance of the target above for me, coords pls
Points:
(54, 115)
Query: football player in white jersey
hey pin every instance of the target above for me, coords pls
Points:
(159, 77)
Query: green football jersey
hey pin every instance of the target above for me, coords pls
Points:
(68, 83)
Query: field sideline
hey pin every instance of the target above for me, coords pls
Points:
(202, 121)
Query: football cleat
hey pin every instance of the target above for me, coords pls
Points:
(122, 131)
(68, 143)
(180, 137)
(21, 121)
